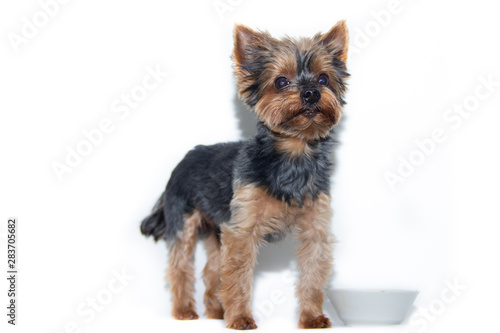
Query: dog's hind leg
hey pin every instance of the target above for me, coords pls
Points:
(180, 272)
(211, 277)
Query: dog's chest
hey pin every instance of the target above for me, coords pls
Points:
(253, 207)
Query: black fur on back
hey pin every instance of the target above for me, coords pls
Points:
(204, 180)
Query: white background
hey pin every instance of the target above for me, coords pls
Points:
(439, 224)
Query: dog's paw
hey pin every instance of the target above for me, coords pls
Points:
(318, 322)
(187, 314)
(242, 323)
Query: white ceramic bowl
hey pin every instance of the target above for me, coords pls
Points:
(372, 306)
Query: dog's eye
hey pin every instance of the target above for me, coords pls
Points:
(281, 82)
(323, 79)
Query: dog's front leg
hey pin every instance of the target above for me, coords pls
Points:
(238, 257)
(253, 214)
(314, 260)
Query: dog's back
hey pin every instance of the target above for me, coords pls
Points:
(203, 180)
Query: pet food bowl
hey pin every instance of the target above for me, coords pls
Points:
(372, 306)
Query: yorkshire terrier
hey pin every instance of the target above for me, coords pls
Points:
(237, 196)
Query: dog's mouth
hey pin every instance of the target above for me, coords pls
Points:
(309, 121)
(310, 112)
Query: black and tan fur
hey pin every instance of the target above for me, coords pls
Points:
(237, 196)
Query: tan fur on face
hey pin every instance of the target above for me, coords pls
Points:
(180, 272)
(319, 126)
(255, 214)
(292, 123)
(281, 110)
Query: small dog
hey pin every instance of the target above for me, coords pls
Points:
(237, 196)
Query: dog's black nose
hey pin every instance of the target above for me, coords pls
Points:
(310, 96)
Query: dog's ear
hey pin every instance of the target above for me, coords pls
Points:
(248, 44)
(337, 40)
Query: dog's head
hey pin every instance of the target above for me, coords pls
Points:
(295, 86)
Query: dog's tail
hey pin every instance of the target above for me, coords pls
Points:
(155, 224)
(167, 217)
